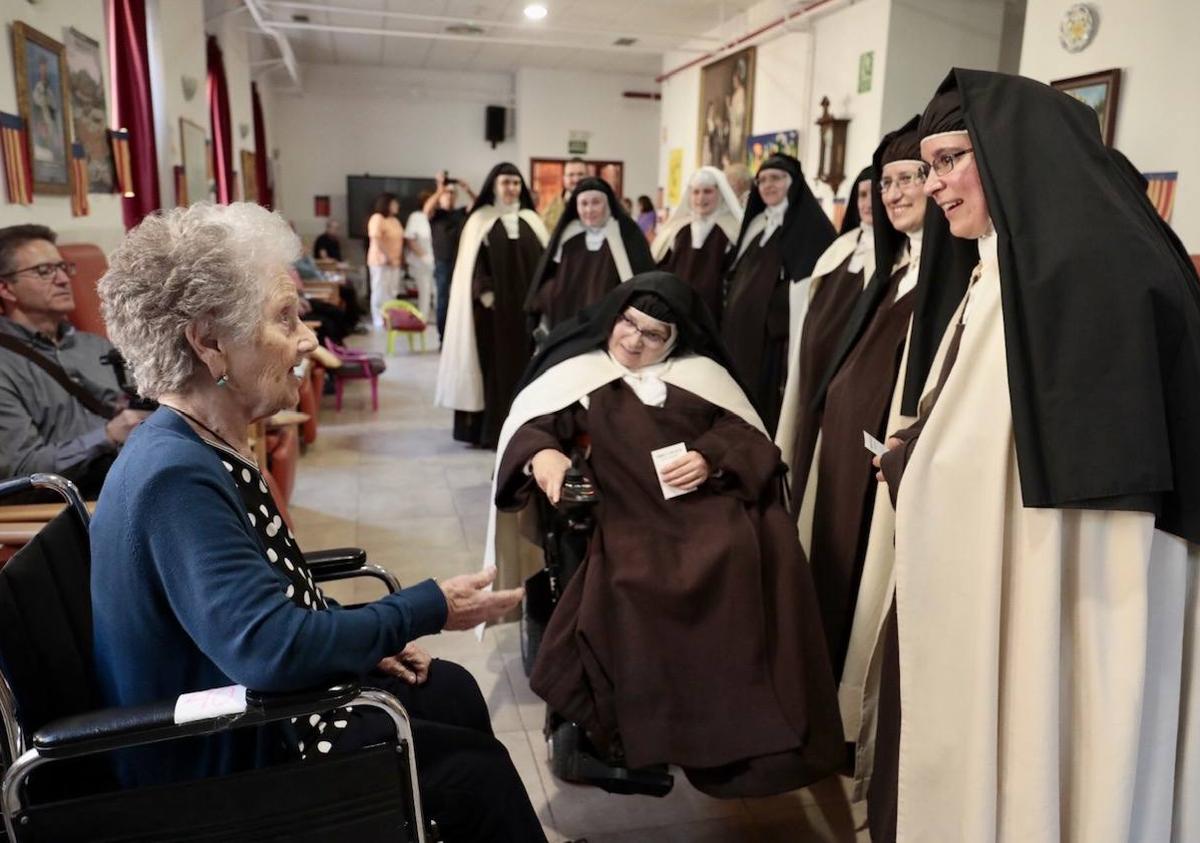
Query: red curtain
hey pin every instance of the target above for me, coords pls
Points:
(133, 109)
(218, 109)
(266, 197)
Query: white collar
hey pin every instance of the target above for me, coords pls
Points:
(510, 216)
(594, 237)
(773, 216)
(863, 247)
(701, 226)
(989, 247)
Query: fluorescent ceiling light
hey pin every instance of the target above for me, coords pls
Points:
(535, 11)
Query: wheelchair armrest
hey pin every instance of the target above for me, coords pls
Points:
(336, 560)
(119, 728)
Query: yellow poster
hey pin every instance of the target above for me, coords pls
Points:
(674, 176)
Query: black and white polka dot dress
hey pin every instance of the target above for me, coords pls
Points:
(322, 732)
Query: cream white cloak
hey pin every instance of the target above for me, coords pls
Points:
(459, 378)
(561, 386)
(1047, 656)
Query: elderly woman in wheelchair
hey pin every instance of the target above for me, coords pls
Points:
(689, 635)
(198, 582)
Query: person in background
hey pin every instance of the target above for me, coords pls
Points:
(418, 240)
(628, 205)
(446, 221)
(385, 250)
(574, 171)
(647, 219)
(328, 246)
(44, 427)
(741, 180)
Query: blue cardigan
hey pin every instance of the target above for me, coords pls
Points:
(183, 599)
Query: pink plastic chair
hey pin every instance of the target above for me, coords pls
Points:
(356, 365)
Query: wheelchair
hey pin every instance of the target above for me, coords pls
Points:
(566, 530)
(58, 784)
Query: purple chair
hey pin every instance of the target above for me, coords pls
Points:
(356, 365)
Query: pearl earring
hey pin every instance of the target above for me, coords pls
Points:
(223, 380)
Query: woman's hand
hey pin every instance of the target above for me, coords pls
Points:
(687, 473)
(411, 664)
(891, 444)
(549, 469)
(468, 604)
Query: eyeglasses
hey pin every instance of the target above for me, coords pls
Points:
(46, 271)
(903, 182)
(944, 163)
(654, 339)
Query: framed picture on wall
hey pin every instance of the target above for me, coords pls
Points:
(249, 180)
(43, 94)
(193, 147)
(726, 109)
(1098, 91)
(546, 178)
(88, 114)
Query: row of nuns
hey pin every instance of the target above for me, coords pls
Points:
(1005, 324)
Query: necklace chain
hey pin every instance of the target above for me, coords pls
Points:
(192, 418)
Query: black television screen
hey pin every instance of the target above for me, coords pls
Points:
(361, 192)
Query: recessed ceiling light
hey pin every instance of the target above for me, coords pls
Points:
(535, 11)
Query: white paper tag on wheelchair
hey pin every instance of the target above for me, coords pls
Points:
(663, 457)
(215, 702)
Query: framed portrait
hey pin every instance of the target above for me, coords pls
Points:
(43, 94)
(89, 118)
(726, 109)
(546, 178)
(249, 181)
(193, 147)
(1098, 91)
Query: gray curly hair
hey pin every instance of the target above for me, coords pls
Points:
(202, 262)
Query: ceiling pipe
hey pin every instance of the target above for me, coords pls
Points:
(784, 21)
(474, 39)
(271, 30)
(377, 13)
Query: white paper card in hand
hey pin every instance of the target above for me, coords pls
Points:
(215, 702)
(663, 457)
(873, 445)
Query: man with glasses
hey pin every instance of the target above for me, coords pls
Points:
(44, 426)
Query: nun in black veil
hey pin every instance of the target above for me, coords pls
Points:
(594, 247)
(1040, 652)
(694, 561)
(784, 232)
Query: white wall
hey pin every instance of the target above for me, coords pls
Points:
(839, 39)
(928, 37)
(551, 103)
(383, 121)
(1158, 120)
(178, 50)
(104, 225)
(795, 68)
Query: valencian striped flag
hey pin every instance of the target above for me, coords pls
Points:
(1161, 190)
(121, 161)
(79, 181)
(18, 174)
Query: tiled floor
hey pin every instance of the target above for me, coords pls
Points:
(396, 484)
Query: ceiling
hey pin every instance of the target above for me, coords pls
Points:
(577, 34)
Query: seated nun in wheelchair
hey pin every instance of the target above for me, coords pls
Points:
(197, 580)
(690, 635)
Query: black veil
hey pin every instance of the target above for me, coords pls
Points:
(636, 247)
(806, 232)
(487, 193)
(851, 219)
(1101, 310)
(590, 328)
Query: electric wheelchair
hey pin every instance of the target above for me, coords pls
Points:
(565, 532)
